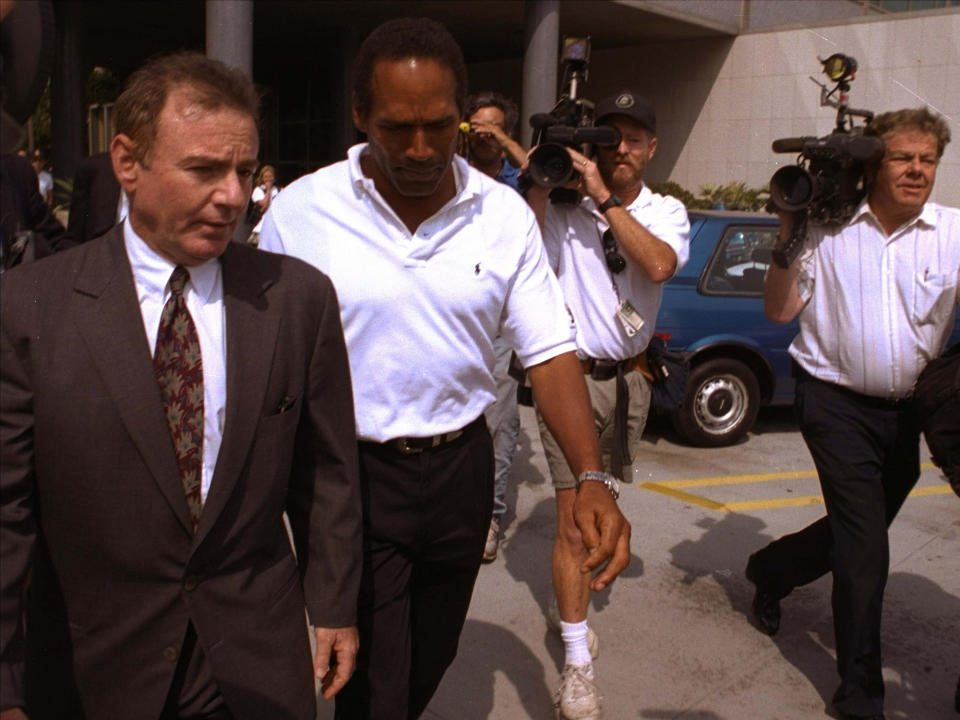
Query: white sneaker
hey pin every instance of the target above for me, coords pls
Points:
(493, 540)
(577, 698)
(553, 622)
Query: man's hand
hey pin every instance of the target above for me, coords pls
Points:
(605, 532)
(13, 714)
(338, 645)
(590, 182)
(493, 129)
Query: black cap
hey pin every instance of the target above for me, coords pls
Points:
(628, 104)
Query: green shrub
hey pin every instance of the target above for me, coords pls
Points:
(732, 196)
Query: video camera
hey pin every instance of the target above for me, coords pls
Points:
(826, 185)
(569, 124)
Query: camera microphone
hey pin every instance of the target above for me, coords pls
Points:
(542, 120)
(789, 145)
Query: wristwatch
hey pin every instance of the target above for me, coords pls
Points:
(612, 201)
(613, 485)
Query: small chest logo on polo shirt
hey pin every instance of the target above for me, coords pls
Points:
(476, 269)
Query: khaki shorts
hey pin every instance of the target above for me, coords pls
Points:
(603, 399)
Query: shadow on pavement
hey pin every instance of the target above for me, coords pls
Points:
(921, 642)
(467, 690)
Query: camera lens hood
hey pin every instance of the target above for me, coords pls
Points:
(550, 165)
(792, 188)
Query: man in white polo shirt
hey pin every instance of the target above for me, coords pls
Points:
(431, 260)
(612, 252)
(877, 299)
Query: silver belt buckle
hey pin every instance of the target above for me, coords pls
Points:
(404, 447)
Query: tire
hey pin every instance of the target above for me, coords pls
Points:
(720, 405)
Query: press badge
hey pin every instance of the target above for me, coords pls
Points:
(628, 316)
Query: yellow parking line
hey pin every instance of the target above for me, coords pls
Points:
(738, 479)
(775, 503)
(670, 489)
(756, 478)
(931, 490)
(680, 495)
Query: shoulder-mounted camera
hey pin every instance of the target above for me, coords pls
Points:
(826, 185)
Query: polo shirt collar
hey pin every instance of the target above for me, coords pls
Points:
(467, 183)
(152, 271)
(644, 198)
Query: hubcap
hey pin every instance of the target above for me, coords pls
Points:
(721, 404)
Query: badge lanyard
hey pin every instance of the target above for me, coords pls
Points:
(627, 314)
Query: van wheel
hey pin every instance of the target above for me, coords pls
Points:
(720, 405)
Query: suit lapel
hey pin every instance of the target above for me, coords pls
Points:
(251, 338)
(109, 319)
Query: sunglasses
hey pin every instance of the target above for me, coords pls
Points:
(615, 260)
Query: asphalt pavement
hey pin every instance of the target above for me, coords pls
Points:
(676, 636)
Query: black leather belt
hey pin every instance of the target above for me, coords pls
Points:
(607, 369)
(414, 445)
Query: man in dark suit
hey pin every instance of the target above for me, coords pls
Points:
(95, 200)
(155, 431)
(28, 230)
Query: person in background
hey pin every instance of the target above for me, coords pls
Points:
(491, 149)
(876, 299)
(264, 191)
(28, 229)
(491, 144)
(44, 178)
(97, 203)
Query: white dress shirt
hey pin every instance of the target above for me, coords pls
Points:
(204, 297)
(878, 308)
(420, 310)
(573, 237)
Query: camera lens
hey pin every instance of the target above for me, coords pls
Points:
(792, 188)
(550, 165)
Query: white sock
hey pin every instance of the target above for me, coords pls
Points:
(575, 643)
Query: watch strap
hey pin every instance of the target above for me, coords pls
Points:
(613, 485)
(612, 201)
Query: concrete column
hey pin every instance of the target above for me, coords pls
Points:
(541, 44)
(230, 33)
(343, 134)
(68, 84)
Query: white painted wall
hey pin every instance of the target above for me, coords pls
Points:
(721, 102)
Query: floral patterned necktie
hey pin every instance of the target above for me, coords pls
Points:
(178, 368)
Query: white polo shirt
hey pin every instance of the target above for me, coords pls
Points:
(572, 235)
(420, 311)
(878, 308)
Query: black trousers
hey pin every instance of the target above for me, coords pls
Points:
(867, 454)
(425, 523)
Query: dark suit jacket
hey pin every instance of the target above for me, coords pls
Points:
(94, 200)
(22, 208)
(92, 503)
